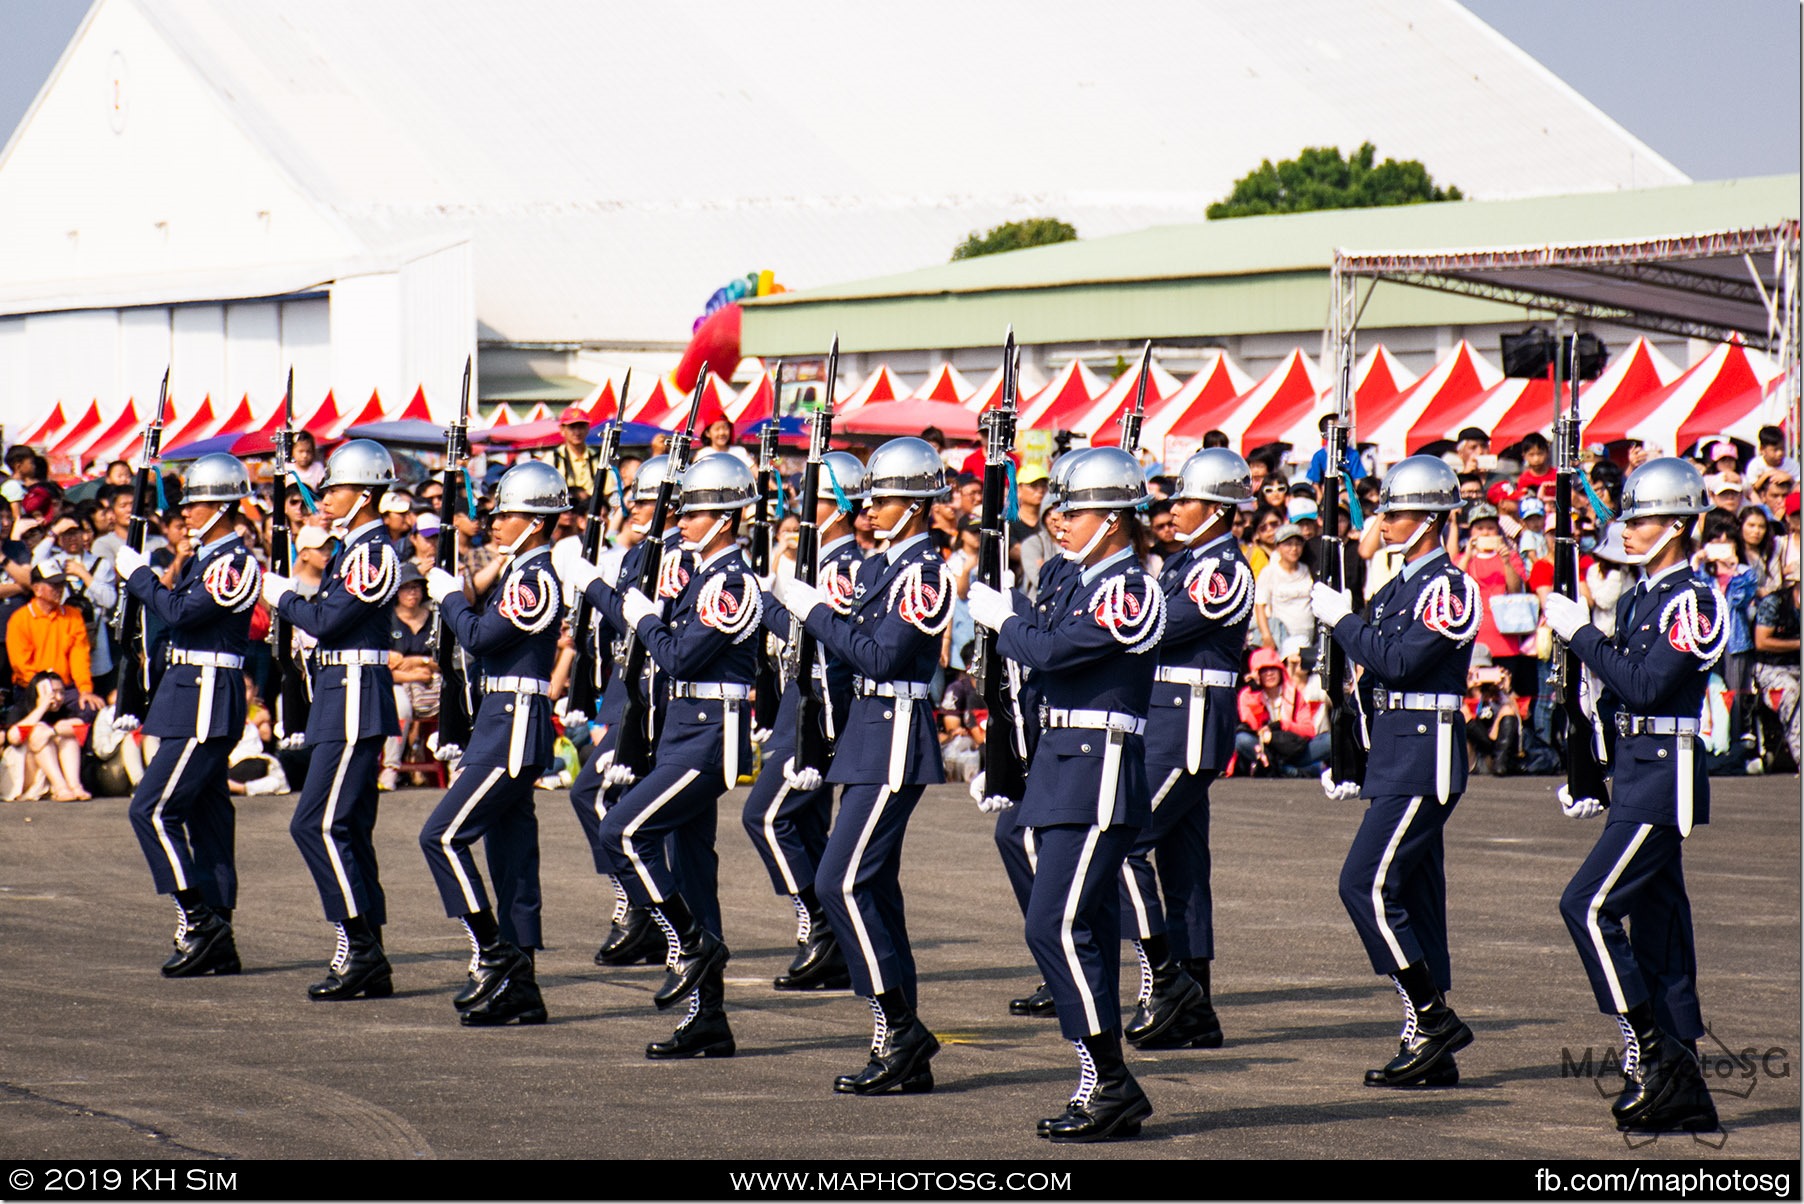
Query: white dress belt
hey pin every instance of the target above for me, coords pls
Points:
(351, 656)
(729, 690)
(1655, 725)
(1112, 721)
(893, 689)
(1392, 700)
(1183, 675)
(516, 685)
(212, 660)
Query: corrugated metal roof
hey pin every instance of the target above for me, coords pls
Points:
(616, 163)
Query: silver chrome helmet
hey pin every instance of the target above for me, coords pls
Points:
(217, 478)
(906, 467)
(532, 487)
(1055, 482)
(1103, 478)
(1661, 487)
(1419, 483)
(360, 462)
(1215, 474)
(718, 482)
(649, 477)
(845, 470)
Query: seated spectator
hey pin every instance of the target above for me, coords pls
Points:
(1493, 722)
(1772, 451)
(1776, 657)
(410, 663)
(1281, 593)
(1495, 564)
(1531, 530)
(51, 732)
(1537, 475)
(252, 768)
(1725, 561)
(1278, 722)
(45, 636)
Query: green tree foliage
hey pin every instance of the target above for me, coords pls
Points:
(1319, 178)
(1013, 236)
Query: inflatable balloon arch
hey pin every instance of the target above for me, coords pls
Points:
(752, 284)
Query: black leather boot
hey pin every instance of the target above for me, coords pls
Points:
(1039, 1003)
(692, 952)
(1432, 1034)
(203, 943)
(818, 965)
(902, 1049)
(1444, 1074)
(1109, 1104)
(634, 940)
(518, 1001)
(494, 964)
(1167, 993)
(1663, 1089)
(704, 1032)
(358, 966)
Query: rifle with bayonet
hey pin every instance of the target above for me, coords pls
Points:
(1132, 419)
(588, 675)
(1578, 730)
(812, 747)
(767, 690)
(133, 700)
(455, 703)
(634, 748)
(1005, 740)
(1347, 754)
(288, 687)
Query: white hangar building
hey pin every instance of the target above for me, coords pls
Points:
(369, 192)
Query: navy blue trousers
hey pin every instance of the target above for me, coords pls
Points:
(334, 826)
(486, 803)
(1074, 923)
(1016, 845)
(861, 888)
(1174, 901)
(1635, 874)
(788, 827)
(1394, 884)
(672, 808)
(183, 816)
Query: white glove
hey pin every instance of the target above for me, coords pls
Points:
(275, 588)
(1338, 791)
(1564, 615)
(637, 606)
(798, 597)
(578, 573)
(761, 734)
(441, 585)
(801, 779)
(989, 607)
(617, 775)
(128, 560)
(125, 723)
(989, 804)
(1330, 605)
(1585, 808)
(1008, 580)
(766, 582)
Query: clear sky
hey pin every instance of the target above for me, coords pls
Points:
(1713, 86)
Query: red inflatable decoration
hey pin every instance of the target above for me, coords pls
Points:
(716, 343)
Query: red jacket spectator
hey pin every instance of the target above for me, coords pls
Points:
(1284, 703)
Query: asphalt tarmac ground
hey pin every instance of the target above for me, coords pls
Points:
(100, 1057)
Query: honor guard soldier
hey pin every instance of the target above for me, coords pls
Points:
(1014, 843)
(1087, 795)
(788, 814)
(181, 809)
(513, 637)
(1414, 649)
(353, 712)
(1670, 630)
(888, 753)
(706, 649)
(1189, 737)
(632, 936)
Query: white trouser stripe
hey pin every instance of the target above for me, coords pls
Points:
(1170, 781)
(457, 821)
(626, 836)
(770, 838)
(325, 830)
(845, 890)
(1597, 902)
(1033, 850)
(203, 718)
(156, 815)
(353, 701)
(1384, 868)
(1130, 880)
(1068, 937)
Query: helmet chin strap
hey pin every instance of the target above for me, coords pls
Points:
(704, 541)
(200, 537)
(837, 515)
(1083, 553)
(342, 526)
(1409, 545)
(908, 516)
(1202, 527)
(1646, 557)
(537, 525)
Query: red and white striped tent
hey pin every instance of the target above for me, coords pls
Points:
(238, 421)
(77, 434)
(1211, 390)
(416, 408)
(1638, 392)
(1442, 397)
(119, 436)
(667, 406)
(1377, 378)
(989, 392)
(198, 426)
(881, 385)
(1725, 393)
(1516, 406)
(503, 416)
(1294, 378)
(1105, 413)
(1071, 391)
(371, 412)
(944, 383)
(46, 430)
(752, 405)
